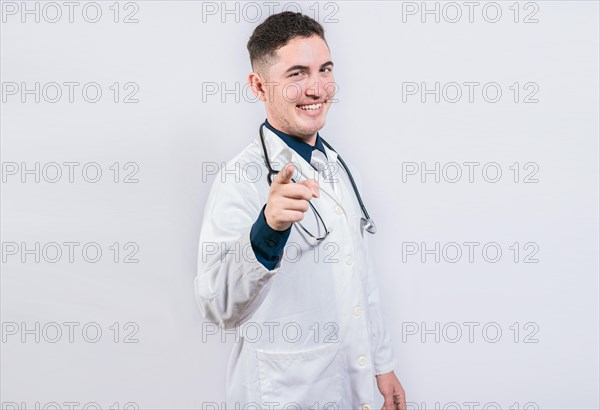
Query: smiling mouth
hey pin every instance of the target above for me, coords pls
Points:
(311, 107)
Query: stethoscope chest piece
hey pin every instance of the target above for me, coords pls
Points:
(368, 225)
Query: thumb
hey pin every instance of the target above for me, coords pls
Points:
(312, 185)
(285, 175)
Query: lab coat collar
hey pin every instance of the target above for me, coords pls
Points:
(280, 154)
(304, 149)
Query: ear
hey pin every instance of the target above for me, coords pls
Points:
(257, 85)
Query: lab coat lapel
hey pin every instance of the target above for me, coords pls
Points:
(280, 154)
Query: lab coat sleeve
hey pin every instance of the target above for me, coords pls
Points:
(231, 283)
(384, 360)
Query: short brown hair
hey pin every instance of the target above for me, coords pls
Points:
(275, 32)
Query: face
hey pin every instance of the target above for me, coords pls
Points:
(299, 87)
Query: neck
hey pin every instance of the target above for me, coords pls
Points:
(310, 140)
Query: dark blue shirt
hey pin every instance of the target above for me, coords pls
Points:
(302, 148)
(266, 242)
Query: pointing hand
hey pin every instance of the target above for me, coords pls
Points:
(288, 201)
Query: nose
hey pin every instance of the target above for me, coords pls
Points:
(318, 87)
(314, 89)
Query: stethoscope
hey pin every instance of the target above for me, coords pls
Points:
(366, 222)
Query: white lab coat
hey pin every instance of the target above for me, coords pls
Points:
(311, 331)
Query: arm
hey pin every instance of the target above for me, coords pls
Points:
(231, 283)
(384, 360)
(267, 243)
(383, 351)
(381, 341)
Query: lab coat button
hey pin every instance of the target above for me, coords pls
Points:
(339, 210)
(348, 260)
(357, 311)
(362, 361)
(365, 407)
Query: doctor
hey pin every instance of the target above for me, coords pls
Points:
(283, 260)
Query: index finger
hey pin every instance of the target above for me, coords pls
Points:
(285, 175)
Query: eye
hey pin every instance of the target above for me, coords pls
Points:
(328, 69)
(297, 73)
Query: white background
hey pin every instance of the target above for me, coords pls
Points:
(173, 53)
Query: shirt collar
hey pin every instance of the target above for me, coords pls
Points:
(302, 148)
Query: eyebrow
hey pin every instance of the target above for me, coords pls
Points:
(303, 67)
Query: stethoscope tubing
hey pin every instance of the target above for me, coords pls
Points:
(354, 187)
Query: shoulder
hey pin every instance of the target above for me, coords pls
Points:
(244, 174)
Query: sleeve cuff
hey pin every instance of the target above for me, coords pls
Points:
(266, 242)
(388, 367)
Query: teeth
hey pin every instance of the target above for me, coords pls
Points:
(310, 107)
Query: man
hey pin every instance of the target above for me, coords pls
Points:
(306, 308)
